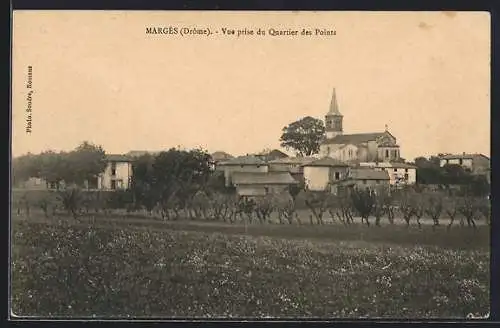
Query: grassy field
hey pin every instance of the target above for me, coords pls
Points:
(144, 268)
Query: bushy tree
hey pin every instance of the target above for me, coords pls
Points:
(71, 199)
(304, 136)
(364, 203)
(85, 163)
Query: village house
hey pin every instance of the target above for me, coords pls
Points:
(118, 173)
(474, 163)
(324, 174)
(293, 165)
(252, 184)
(400, 174)
(249, 164)
(367, 178)
(359, 147)
(219, 156)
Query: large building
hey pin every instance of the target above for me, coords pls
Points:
(359, 147)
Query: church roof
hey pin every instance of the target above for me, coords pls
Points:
(334, 106)
(354, 139)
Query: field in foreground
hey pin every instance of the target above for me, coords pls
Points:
(66, 269)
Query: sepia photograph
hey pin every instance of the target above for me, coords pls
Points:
(247, 165)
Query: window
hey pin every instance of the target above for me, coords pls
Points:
(395, 154)
(395, 170)
(406, 170)
(406, 176)
(378, 181)
(386, 153)
(113, 184)
(337, 175)
(364, 181)
(460, 161)
(113, 168)
(266, 189)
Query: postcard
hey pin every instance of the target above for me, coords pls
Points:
(244, 164)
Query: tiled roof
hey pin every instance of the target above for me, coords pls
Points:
(463, 156)
(354, 138)
(293, 160)
(240, 178)
(327, 161)
(139, 153)
(118, 158)
(221, 155)
(276, 153)
(244, 160)
(387, 165)
(368, 174)
(402, 165)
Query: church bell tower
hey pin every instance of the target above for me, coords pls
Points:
(333, 119)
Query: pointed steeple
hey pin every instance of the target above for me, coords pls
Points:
(334, 107)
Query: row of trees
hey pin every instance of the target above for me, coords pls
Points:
(81, 165)
(214, 202)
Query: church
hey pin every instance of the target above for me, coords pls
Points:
(359, 147)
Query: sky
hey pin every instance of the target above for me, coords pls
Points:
(97, 76)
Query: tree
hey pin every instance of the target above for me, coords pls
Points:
(180, 174)
(54, 167)
(406, 205)
(304, 136)
(86, 162)
(364, 203)
(25, 167)
(143, 182)
(380, 207)
(318, 203)
(434, 207)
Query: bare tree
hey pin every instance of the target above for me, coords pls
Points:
(469, 207)
(419, 207)
(317, 202)
(222, 206)
(434, 207)
(264, 207)
(285, 205)
(380, 206)
(451, 208)
(335, 208)
(406, 207)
